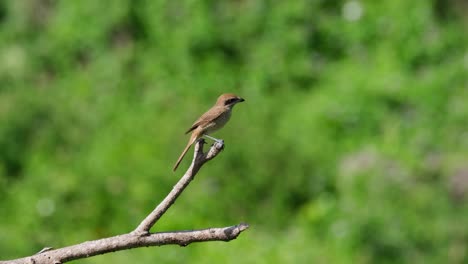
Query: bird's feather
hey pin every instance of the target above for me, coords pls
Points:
(208, 116)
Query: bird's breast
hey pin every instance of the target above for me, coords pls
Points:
(219, 122)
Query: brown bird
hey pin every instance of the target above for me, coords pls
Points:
(211, 121)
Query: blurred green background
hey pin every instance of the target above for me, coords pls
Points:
(351, 147)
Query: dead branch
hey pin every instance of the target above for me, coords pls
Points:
(141, 236)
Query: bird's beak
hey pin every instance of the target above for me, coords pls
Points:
(240, 100)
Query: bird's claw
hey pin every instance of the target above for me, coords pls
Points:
(219, 143)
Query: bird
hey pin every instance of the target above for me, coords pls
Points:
(213, 120)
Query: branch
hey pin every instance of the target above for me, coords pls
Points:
(199, 159)
(141, 237)
(130, 240)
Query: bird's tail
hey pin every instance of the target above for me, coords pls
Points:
(189, 144)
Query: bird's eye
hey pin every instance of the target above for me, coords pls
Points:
(230, 101)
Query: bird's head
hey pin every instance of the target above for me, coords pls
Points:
(229, 100)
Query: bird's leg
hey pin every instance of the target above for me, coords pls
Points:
(214, 139)
(220, 142)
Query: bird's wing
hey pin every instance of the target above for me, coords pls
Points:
(206, 117)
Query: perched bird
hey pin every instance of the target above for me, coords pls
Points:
(211, 121)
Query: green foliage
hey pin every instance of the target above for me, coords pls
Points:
(351, 146)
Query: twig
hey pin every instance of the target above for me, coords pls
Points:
(198, 160)
(141, 237)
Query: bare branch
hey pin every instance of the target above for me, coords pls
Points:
(141, 237)
(199, 159)
(131, 240)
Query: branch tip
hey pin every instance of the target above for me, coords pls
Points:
(243, 226)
